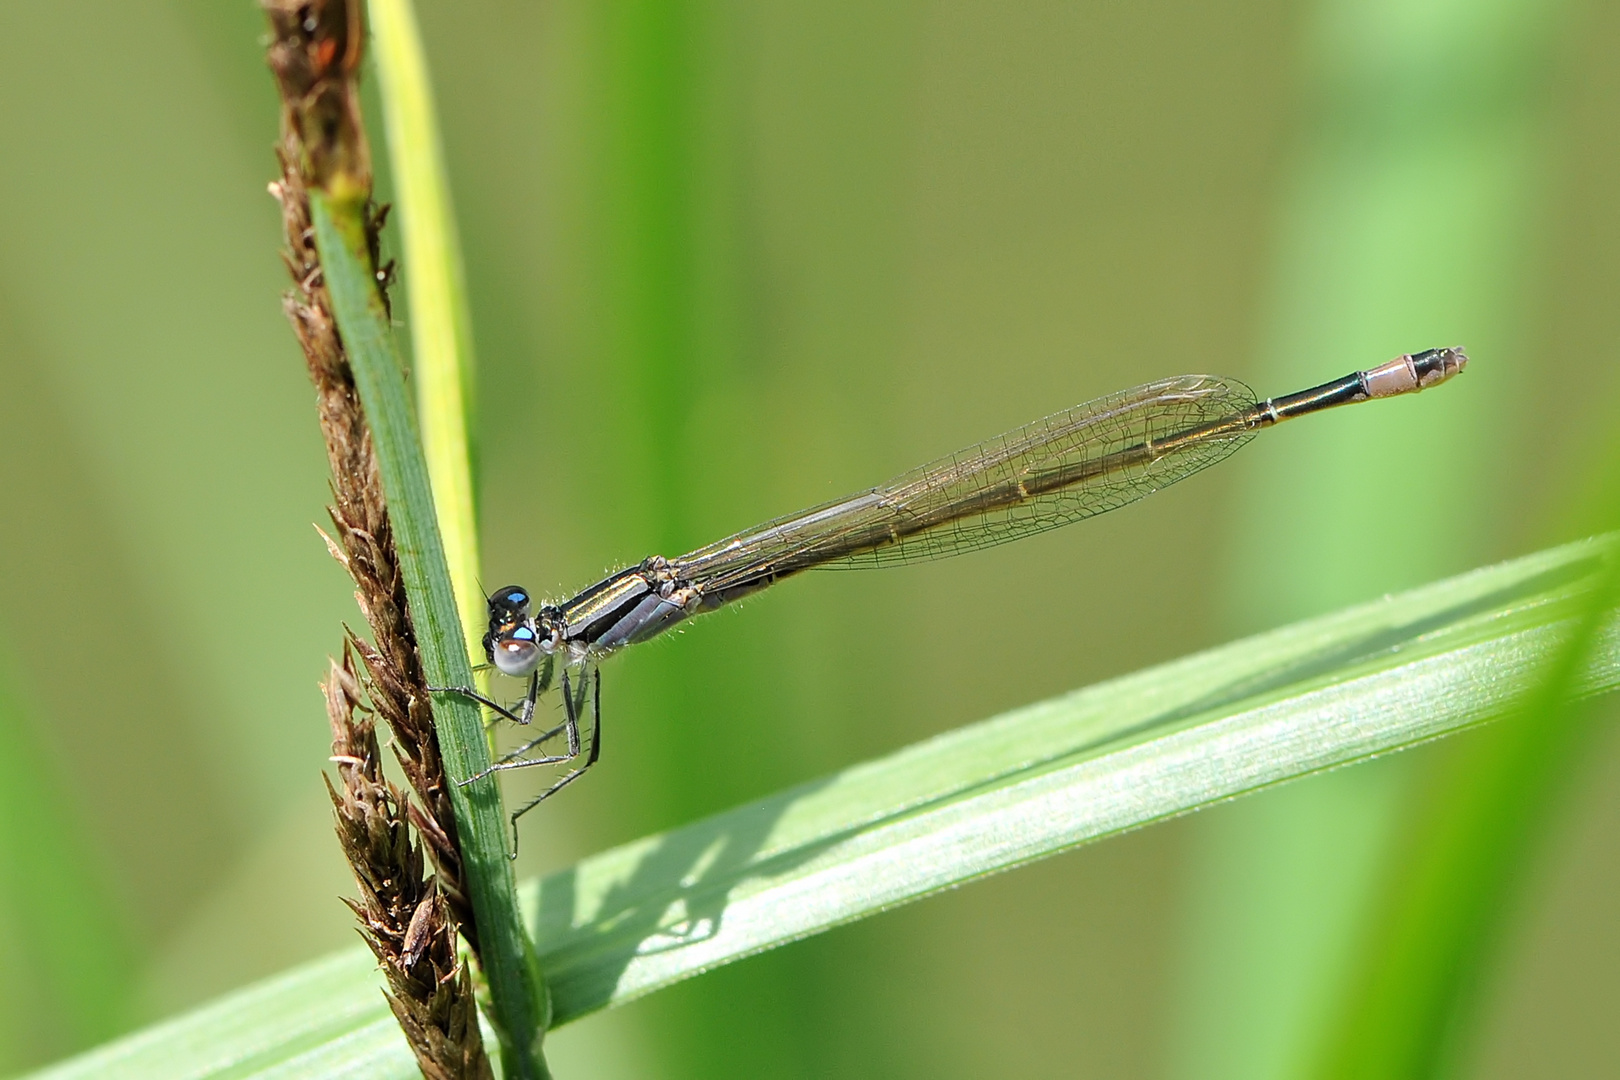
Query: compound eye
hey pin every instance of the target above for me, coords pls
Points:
(516, 653)
(508, 601)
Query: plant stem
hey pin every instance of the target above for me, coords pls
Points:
(441, 334)
(521, 1007)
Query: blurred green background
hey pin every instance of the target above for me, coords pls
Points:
(729, 259)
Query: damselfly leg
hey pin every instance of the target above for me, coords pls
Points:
(590, 684)
(515, 759)
(539, 683)
(575, 705)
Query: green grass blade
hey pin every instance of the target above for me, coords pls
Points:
(1368, 680)
(435, 287)
(1421, 966)
(61, 939)
(333, 1005)
(1327, 692)
(516, 990)
(1412, 1007)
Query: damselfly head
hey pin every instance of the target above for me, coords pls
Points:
(514, 644)
(516, 641)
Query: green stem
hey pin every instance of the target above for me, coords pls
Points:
(441, 335)
(520, 1005)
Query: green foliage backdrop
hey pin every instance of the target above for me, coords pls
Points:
(728, 259)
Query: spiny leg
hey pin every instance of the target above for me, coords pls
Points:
(574, 774)
(515, 760)
(539, 683)
(572, 712)
(501, 711)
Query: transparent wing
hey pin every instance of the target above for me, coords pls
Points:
(1074, 464)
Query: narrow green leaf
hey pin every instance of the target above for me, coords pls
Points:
(515, 986)
(61, 938)
(1368, 680)
(435, 286)
(1431, 936)
(331, 1006)
(1323, 693)
(1414, 997)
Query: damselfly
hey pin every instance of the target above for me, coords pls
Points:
(1074, 464)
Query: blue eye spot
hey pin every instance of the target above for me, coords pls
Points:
(523, 633)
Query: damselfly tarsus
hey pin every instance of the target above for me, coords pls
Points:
(1072, 465)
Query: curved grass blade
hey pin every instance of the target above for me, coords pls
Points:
(1122, 754)
(1412, 1007)
(1365, 681)
(331, 1006)
(1417, 988)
